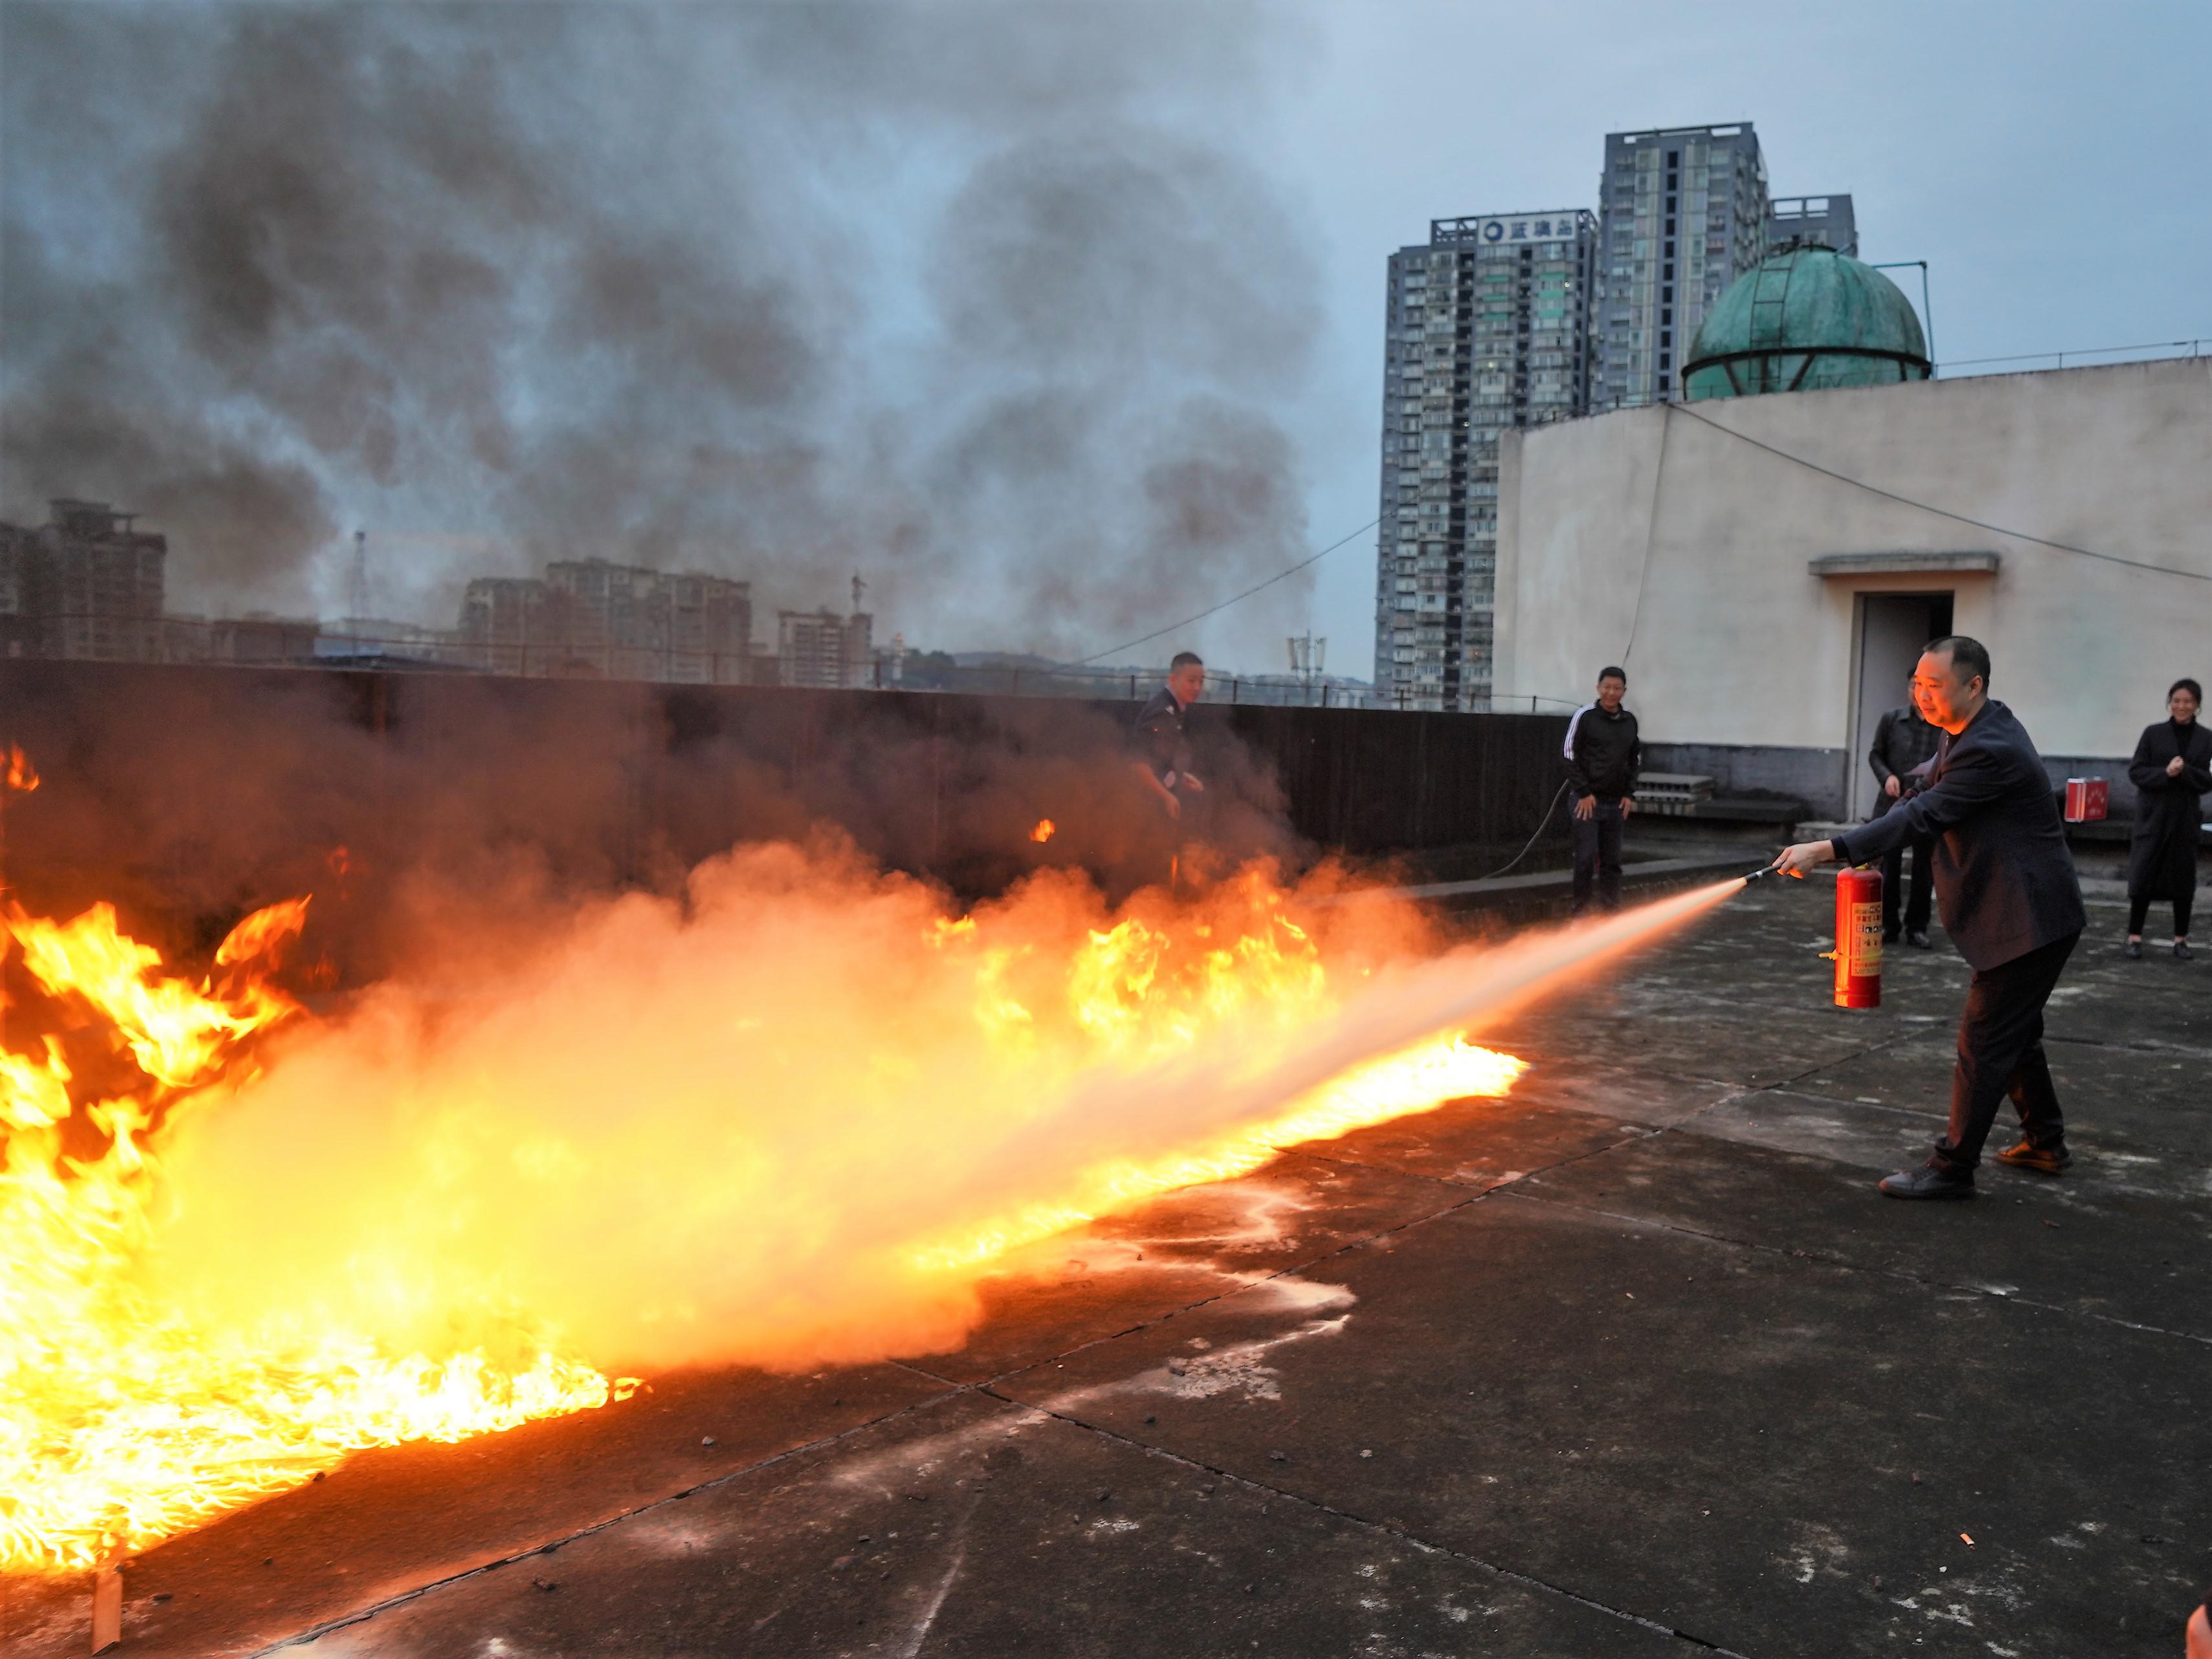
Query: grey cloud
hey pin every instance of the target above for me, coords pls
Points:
(972, 299)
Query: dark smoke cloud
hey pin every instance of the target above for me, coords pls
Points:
(984, 301)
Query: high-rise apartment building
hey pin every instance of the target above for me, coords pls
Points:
(1489, 327)
(627, 621)
(1820, 220)
(505, 627)
(611, 615)
(823, 648)
(87, 585)
(1682, 214)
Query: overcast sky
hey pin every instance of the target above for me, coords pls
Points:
(1058, 321)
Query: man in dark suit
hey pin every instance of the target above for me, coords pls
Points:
(1904, 746)
(2011, 903)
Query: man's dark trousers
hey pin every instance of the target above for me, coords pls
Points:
(1917, 907)
(1597, 856)
(2001, 1054)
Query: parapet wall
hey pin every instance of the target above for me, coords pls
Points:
(210, 790)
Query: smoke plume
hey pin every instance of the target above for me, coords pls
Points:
(979, 301)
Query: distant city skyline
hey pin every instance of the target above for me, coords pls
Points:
(1064, 327)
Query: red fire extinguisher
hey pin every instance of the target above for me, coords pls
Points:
(1857, 955)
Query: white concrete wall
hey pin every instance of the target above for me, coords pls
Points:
(1694, 571)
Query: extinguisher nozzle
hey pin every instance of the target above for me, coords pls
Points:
(1760, 874)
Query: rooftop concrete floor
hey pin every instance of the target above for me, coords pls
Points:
(1634, 1362)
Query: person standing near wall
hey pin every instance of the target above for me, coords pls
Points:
(2012, 904)
(2171, 771)
(1159, 757)
(1159, 748)
(1604, 758)
(1903, 747)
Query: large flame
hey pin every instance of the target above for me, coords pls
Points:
(121, 1422)
(796, 1116)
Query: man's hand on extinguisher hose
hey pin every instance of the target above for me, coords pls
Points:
(1806, 855)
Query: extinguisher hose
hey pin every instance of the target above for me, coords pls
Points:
(1541, 824)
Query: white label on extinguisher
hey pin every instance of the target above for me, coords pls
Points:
(1866, 939)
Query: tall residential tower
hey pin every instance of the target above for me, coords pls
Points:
(1684, 213)
(1489, 327)
(1814, 221)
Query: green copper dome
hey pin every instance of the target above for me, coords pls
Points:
(1802, 319)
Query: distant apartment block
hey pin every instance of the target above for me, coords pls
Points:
(504, 626)
(1683, 212)
(824, 648)
(1819, 221)
(85, 585)
(1489, 330)
(625, 621)
(15, 625)
(710, 629)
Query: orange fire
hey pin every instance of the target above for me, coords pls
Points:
(1044, 830)
(796, 1116)
(22, 774)
(121, 1422)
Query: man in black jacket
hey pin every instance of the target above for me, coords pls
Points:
(1603, 759)
(1159, 745)
(2011, 903)
(1903, 745)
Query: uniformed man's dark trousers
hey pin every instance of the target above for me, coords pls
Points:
(2001, 1054)
(1893, 888)
(1597, 856)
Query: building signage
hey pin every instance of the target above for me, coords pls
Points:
(1522, 230)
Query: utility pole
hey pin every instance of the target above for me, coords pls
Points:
(357, 581)
(1308, 657)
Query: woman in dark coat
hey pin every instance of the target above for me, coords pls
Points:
(2172, 765)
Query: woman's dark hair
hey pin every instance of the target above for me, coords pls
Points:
(2184, 683)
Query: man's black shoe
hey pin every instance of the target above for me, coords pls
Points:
(1928, 1181)
(2135, 950)
(2181, 951)
(2045, 1160)
(1918, 941)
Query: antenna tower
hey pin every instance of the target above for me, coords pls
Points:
(357, 578)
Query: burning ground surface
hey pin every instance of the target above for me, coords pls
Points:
(793, 1117)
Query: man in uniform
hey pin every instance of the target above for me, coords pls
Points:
(1159, 756)
(1604, 757)
(1159, 749)
(1904, 746)
(2011, 903)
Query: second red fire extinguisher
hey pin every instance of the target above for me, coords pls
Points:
(1858, 939)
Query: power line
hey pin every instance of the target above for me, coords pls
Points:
(2086, 351)
(1944, 512)
(1650, 535)
(1128, 645)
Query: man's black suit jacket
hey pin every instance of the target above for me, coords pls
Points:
(2004, 881)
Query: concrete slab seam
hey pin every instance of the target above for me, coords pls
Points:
(1405, 1535)
(363, 1615)
(1826, 1260)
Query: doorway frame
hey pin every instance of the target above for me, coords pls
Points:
(1859, 739)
